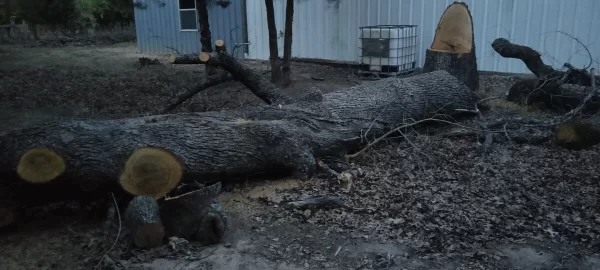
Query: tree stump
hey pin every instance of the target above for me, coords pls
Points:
(453, 47)
(142, 217)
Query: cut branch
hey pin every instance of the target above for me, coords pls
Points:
(185, 59)
(210, 82)
(533, 60)
(247, 76)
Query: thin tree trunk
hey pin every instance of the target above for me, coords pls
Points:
(287, 43)
(205, 36)
(274, 53)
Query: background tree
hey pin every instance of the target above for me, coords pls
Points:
(54, 13)
(273, 48)
(287, 43)
(205, 36)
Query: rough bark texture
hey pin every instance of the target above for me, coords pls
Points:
(579, 134)
(287, 43)
(191, 216)
(273, 47)
(533, 60)
(185, 59)
(461, 65)
(236, 142)
(142, 217)
(210, 82)
(552, 95)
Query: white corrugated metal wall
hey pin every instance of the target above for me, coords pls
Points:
(329, 29)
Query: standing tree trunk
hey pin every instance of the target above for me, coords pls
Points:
(453, 47)
(274, 57)
(287, 43)
(205, 38)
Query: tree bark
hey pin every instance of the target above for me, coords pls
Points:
(287, 43)
(273, 47)
(205, 36)
(142, 217)
(248, 140)
(453, 48)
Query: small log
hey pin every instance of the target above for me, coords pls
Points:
(190, 216)
(185, 59)
(142, 217)
(453, 47)
(151, 171)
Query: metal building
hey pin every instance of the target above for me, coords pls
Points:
(329, 29)
(171, 26)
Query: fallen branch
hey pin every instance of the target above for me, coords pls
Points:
(533, 61)
(210, 82)
(185, 59)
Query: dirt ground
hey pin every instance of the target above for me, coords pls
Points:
(426, 202)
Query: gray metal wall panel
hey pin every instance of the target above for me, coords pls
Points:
(157, 27)
(328, 29)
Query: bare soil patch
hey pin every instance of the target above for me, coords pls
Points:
(426, 202)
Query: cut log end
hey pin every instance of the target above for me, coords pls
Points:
(172, 58)
(219, 43)
(40, 165)
(455, 30)
(142, 217)
(151, 171)
(577, 136)
(204, 57)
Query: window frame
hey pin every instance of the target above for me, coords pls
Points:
(179, 10)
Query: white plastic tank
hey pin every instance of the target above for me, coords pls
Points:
(388, 45)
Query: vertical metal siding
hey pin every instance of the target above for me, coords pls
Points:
(328, 29)
(157, 27)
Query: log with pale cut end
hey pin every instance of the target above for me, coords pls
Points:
(189, 214)
(40, 165)
(151, 171)
(286, 138)
(142, 218)
(453, 47)
(185, 59)
(577, 135)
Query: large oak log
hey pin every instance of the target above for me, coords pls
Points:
(242, 141)
(185, 59)
(453, 47)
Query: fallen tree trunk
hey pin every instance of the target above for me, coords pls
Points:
(453, 47)
(128, 154)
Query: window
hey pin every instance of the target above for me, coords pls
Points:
(188, 21)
